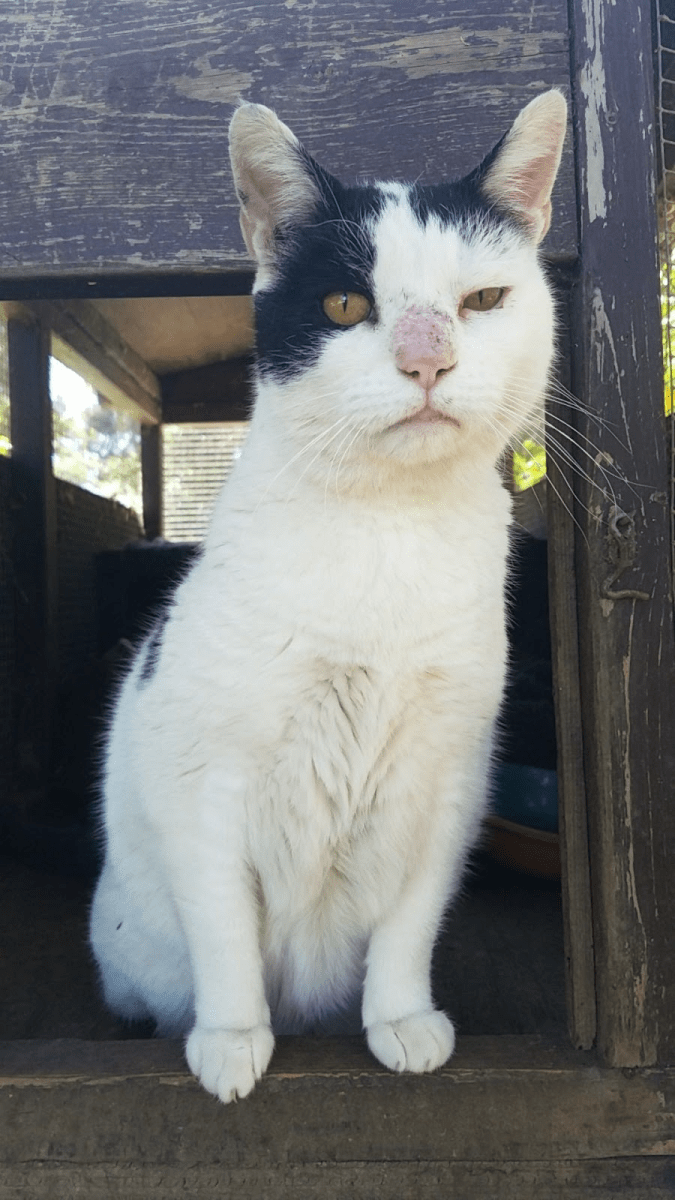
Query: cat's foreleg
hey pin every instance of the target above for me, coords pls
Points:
(231, 1043)
(403, 1029)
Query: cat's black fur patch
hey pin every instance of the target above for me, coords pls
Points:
(450, 203)
(333, 253)
(152, 649)
(463, 200)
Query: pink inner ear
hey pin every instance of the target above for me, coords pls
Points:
(532, 185)
(525, 188)
(524, 170)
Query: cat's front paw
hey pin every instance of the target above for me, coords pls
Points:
(419, 1043)
(227, 1062)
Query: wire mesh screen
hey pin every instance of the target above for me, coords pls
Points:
(7, 648)
(7, 586)
(665, 104)
(197, 458)
(5, 434)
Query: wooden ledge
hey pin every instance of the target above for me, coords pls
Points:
(508, 1117)
(63, 1060)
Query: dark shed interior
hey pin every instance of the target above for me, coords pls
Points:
(499, 963)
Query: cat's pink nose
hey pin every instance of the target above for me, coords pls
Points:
(424, 345)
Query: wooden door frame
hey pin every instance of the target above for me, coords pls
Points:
(620, 786)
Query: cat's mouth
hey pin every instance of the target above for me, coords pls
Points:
(427, 415)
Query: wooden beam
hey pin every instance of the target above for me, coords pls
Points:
(121, 165)
(97, 350)
(34, 564)
(623, 548)
(94, 285)
(513, 1117)
(151, 473)
(221, 391)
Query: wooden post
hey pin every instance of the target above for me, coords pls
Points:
(573, 816)
(34, 548)
(623, 544)
(151, 472)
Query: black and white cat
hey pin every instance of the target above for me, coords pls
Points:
(297, 765)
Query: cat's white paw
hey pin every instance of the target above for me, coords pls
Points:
(227, 1062)
(419, 1043)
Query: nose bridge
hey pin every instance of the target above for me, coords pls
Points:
(424, 344)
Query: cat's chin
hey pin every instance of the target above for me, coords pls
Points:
(418, 442)
(424, 433)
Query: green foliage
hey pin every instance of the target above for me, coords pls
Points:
(5, 444)
(668, 333)
(529, 464)
(95, 445)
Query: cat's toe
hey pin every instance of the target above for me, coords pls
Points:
(418, 1043)
(228, 1062)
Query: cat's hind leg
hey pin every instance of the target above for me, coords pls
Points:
(143, 963)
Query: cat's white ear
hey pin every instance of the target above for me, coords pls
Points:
(521, 176)
(274, 187)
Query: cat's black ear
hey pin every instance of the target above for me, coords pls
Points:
(276, 189)
(520, 173)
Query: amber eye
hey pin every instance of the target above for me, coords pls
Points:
(346, 308)
(483, 300)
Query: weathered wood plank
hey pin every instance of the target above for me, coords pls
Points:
(113, 115)
(623, 549)
(33, 550)
(327, 1101)
(630, 1178)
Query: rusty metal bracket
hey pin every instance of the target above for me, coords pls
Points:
(622, 540)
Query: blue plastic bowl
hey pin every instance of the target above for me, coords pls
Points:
(527, 796)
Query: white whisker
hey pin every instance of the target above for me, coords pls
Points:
(343, 430)
(358, 431)
(303, 450)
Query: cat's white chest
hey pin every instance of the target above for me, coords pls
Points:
(391, 670)
(333, 813)
(359, 784)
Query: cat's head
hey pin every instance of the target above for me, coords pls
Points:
(400, 322)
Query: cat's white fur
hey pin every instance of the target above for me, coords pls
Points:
(291, 798)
